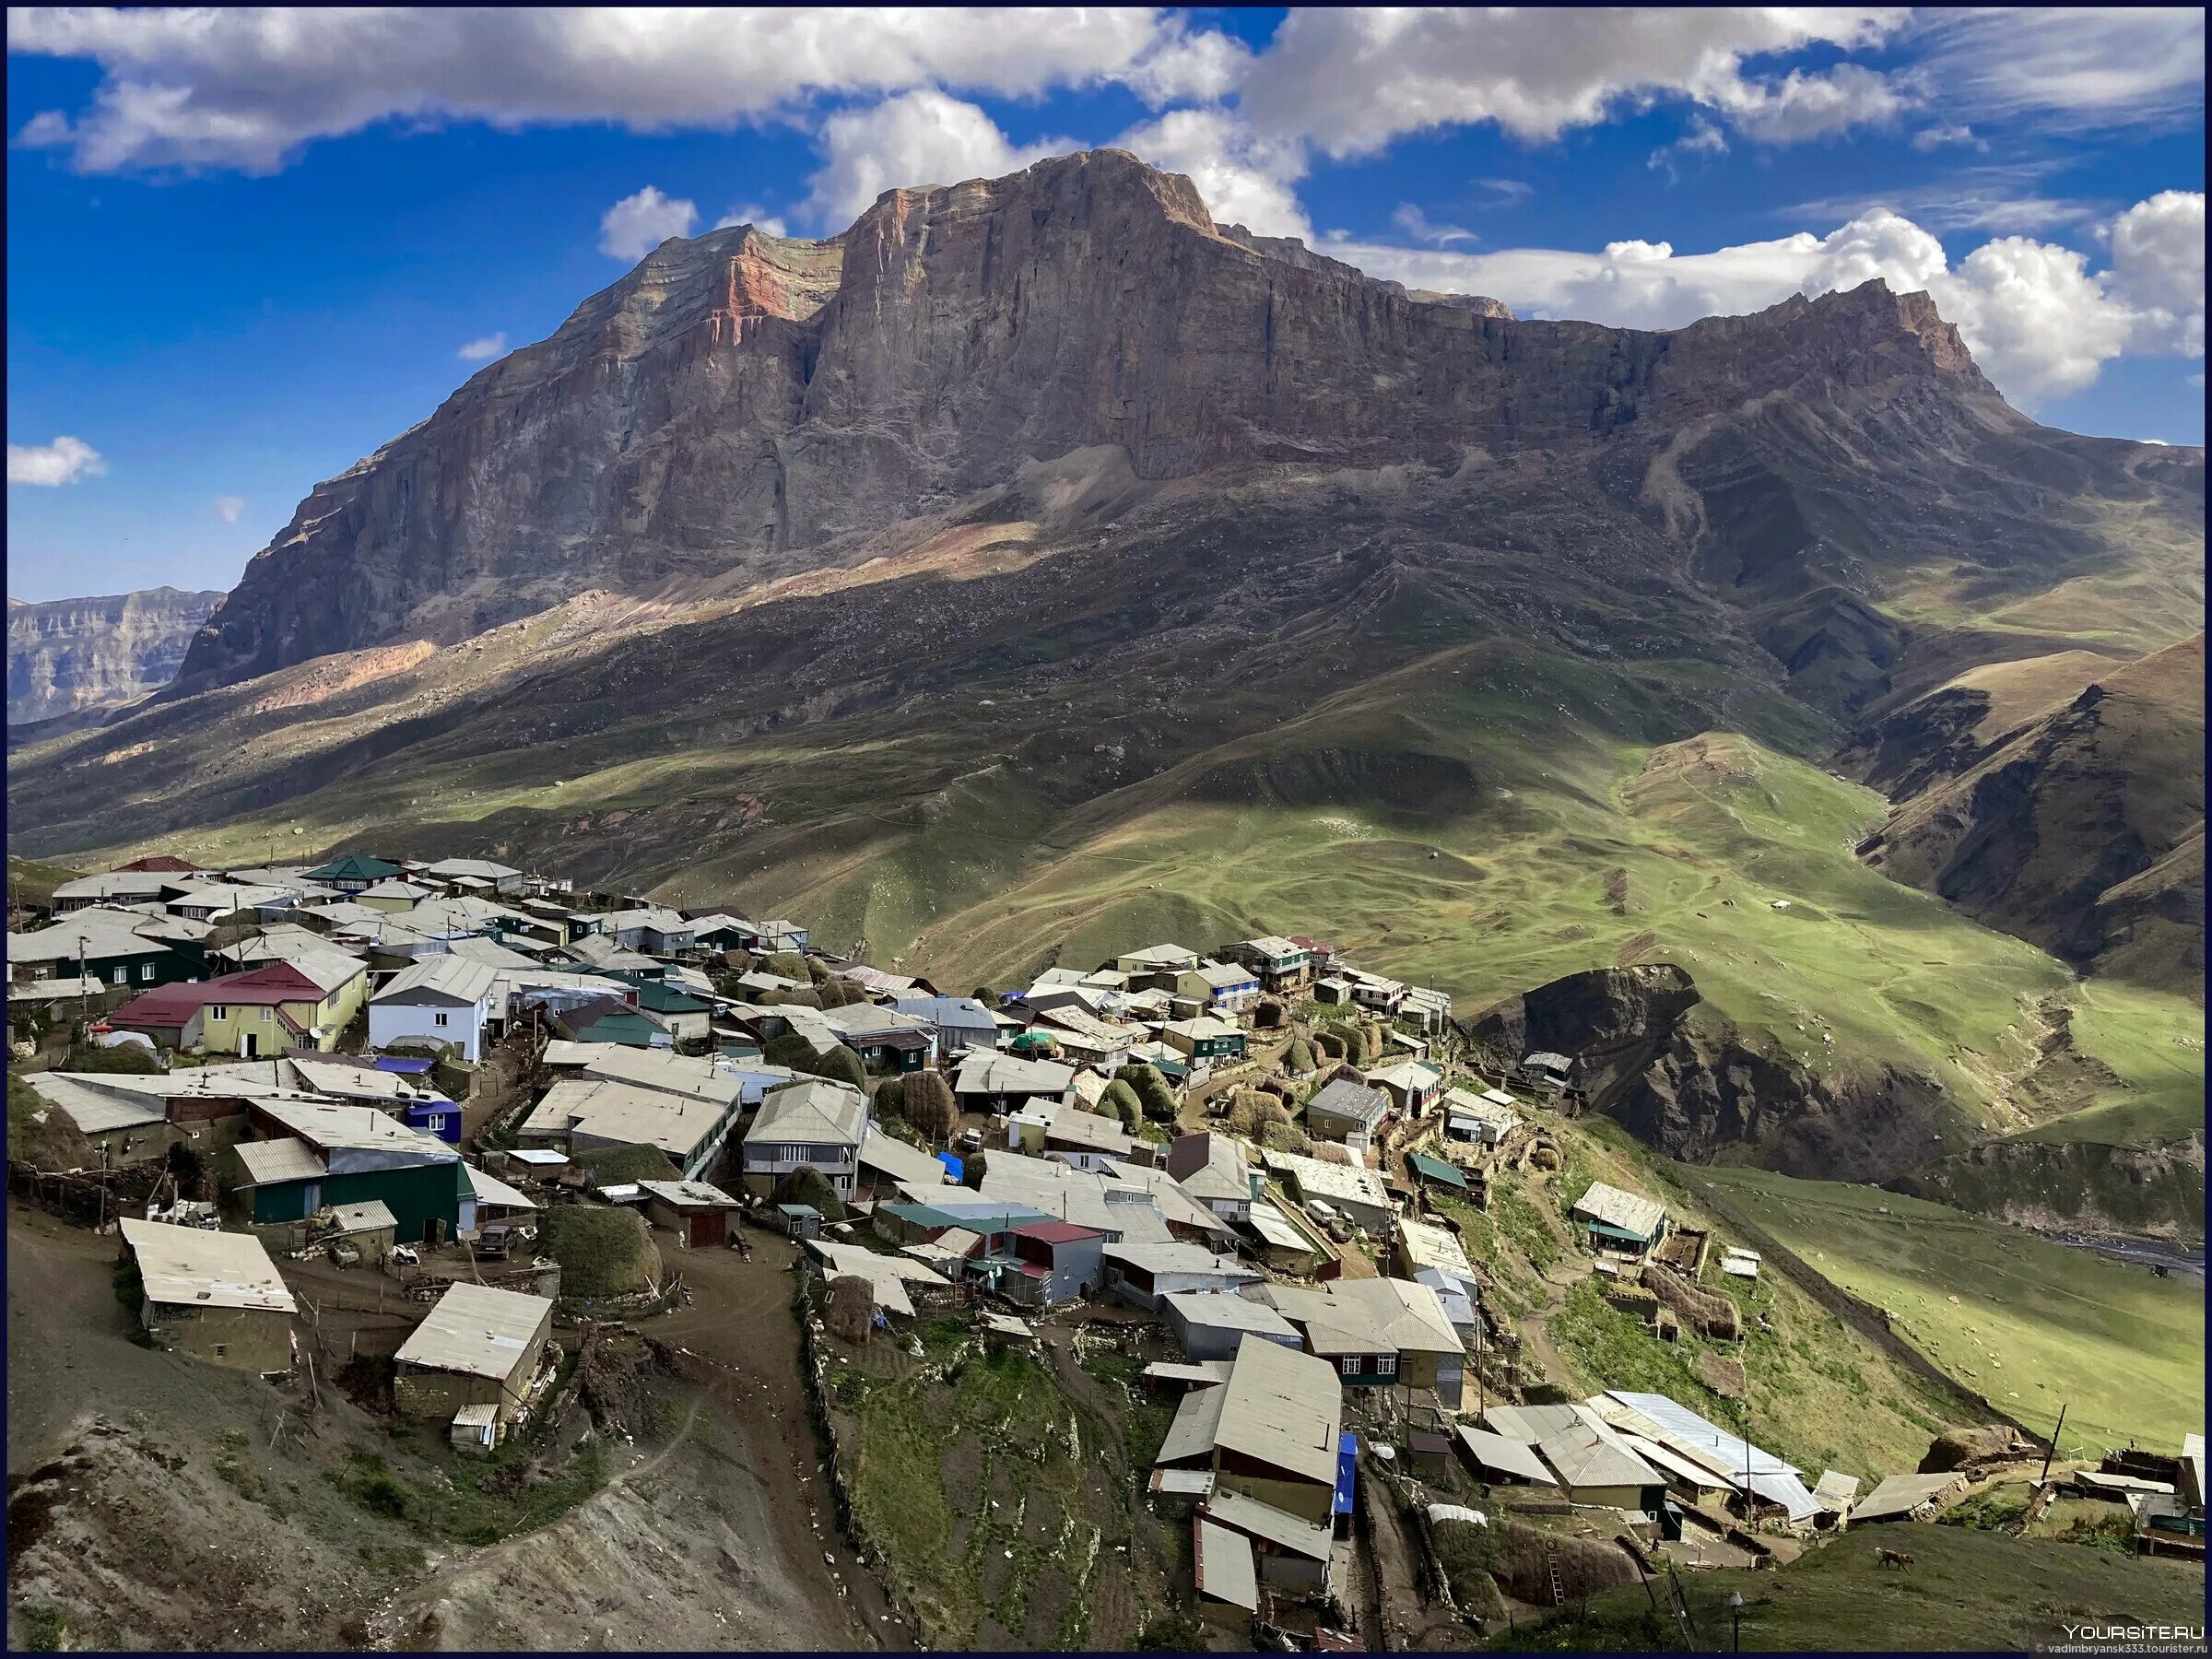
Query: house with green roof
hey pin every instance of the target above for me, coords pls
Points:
(355, 872)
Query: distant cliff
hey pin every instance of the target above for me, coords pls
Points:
(68, 656)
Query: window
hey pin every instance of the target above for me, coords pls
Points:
(216, 1011)
(1388, 1365)
(265, 1016)
(146, 971)
(438, 1019)
(123, 977)
(223, 1347)
(1350, 1365)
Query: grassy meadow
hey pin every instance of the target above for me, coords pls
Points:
(2032, 1324)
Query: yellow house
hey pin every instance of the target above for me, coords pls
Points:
(305, 1002)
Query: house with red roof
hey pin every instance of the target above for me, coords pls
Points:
(257, 1014)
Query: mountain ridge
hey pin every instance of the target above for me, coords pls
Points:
(822, 390)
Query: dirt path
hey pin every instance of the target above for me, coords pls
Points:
(1535, 1327)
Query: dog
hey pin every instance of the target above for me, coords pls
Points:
(1899, 1558)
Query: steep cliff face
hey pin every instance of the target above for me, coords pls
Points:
(1677, 1073)
(67, 656)
(740, 403)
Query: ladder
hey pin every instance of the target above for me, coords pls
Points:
(1551, 1566)
(1678, 1604)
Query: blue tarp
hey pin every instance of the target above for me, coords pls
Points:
(953, 1166)
(404, 1066)
(1347, 1468)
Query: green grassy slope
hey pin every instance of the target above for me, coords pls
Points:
(1965, 1591)
(2033, 1325)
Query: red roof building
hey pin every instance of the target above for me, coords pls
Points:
(170, 1010)
(159, 864)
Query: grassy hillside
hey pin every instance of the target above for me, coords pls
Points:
(1966, 1591)
(2152, 1043)
(2033, 1325)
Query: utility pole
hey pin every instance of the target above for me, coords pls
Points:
(2052, 1450)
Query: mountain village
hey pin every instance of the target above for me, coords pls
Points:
(435, 1133)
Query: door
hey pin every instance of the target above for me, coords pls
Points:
(247, 1044)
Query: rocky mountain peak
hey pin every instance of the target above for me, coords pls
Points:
(739, 401)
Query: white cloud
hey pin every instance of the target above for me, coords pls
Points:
(228, 508)
(638, 224)
(1351, 80)
(63, 461)
(483, 348)
(2071, 70)
(247, 87)
(752, 214)
(1948, 133)
(1414, 223)
(919, 138)
(1702, 138)
(1511, 192)
(2005, 198)
(2039, 321)
(2158, 269)
(1242, 179)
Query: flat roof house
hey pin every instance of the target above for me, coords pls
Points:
(1625, 1222)
(696, 1210)
(1361, 1194)
(960, 1022)
(1145, 1275)
(817, 1125)
(478, 1347)
(213, 1296)
(1413, 1086)
(435, 1001)
(1348, 1111)
(1281, 964)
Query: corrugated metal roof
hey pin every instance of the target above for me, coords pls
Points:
(266, 1163)
(1221, 1311)
(814, 1112)
(491, 1190)
(189, 1266)
(1309, 1538)
(478, 1331)
(1435, 1168)
(1282, 1407)
(1508, 1456)
(455, 976)
(371, 1215)
(1631, 1212)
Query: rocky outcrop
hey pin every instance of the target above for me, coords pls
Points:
(741, 403)
(1651, 1054)
(2142, 1191)
(71, 657)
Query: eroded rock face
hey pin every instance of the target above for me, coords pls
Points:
(1650, 1053)
(66, 657)
(741, 402)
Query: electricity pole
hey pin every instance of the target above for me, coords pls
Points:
(2051, 1450)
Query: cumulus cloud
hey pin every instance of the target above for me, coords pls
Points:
(2158, 269)
(228, 508)
(1351, 80)
(752, 214)
(486, 346)
(247, 87)
(2040, 323)
(638, 224)
(917, 138)
(63, 461)
(1242, 178)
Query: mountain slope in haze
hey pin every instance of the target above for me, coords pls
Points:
(2079, 827)
(1038, 567)
(70, 656)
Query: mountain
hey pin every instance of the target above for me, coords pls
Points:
(1038, 568)
(2078, 823)
(69, 656)
(742, 406)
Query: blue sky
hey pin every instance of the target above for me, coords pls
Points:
(243, 253)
